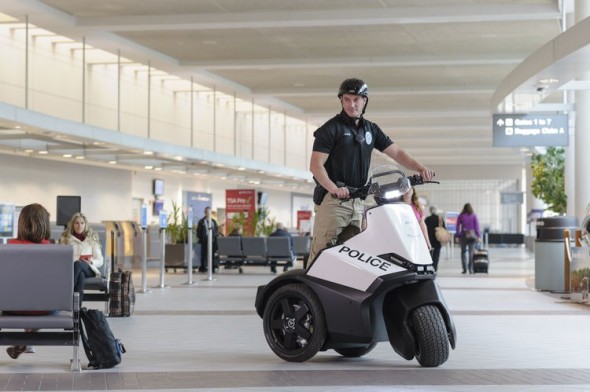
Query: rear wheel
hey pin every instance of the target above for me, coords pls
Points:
(355, 352)
(431, 336)
(294, 323)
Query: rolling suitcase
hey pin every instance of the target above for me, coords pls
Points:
(121, 294)
(481, 261)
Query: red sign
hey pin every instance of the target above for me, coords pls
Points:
(240, 210)
(302, 216)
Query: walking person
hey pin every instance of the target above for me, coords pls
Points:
(468, 235)
(432, 222)
(341, 157)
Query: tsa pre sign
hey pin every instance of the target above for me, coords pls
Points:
(240, 209)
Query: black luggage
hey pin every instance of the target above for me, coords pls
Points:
(121, 294)
(102, 348)
(481, 261)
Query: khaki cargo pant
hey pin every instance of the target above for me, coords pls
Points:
(331, 217)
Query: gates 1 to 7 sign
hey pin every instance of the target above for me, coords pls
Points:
(530, 130)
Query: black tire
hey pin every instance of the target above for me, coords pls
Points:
(355, 352)
(432, 342)
(294, 323)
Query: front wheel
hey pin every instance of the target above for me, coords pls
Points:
(355, 352)
(431, 336)
(294, 323)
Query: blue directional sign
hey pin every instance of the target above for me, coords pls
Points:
(530, 130)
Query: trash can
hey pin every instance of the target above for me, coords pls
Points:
(549, 252)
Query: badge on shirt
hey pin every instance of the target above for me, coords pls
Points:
(369, 137)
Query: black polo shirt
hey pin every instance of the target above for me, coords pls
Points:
(349, 159)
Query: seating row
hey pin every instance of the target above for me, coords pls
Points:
(241, 251)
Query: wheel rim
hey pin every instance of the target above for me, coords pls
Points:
(291, 324)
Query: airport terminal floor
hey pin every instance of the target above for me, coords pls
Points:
(207, 337)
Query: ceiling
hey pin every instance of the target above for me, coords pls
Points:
(432, 66)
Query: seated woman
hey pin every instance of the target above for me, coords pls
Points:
(33, 228)
(87, 253)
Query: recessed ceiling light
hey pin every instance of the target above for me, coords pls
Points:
(148, 153)
(241, 168)
(112, 162)
(67, 155)
(80, 157)
(549, 81)
(29, 150)
(43, 152)
(178, 158)
(158, 169)
(148, 167)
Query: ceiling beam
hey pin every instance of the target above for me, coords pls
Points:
(351, 62)
(318, 18)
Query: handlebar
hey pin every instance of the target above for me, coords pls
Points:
(363, 191)
(417, 179)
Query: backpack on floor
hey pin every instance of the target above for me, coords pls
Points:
(102, 348)
(121, 294)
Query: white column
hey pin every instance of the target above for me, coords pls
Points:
(570, 151)
(582, 135)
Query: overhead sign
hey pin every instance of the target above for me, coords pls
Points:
(530, 130)
(511, 197)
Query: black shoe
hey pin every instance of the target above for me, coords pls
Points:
(464, 272)
(273, 270)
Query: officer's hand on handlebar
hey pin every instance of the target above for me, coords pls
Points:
(342, 191)
(426, 174)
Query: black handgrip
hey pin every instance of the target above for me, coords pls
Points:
(353, 192)
(417, 179)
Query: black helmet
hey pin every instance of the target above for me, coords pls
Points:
(353, 86)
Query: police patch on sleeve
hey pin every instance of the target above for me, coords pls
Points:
(369, 137)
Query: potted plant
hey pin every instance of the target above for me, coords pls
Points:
(177, 238)
(548, 182)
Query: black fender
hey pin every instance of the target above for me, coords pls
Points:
(264, 292)
(398, 306)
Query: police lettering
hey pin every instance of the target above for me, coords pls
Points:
(373, 261)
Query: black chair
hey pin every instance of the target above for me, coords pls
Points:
(254, 250)
(279, 252)
(230, 253)
(302, 245)
(97, 289)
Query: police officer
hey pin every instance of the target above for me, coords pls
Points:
(341, 157)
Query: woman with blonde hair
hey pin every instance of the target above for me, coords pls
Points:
(87, 254)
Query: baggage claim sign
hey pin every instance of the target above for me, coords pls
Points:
(530, 130)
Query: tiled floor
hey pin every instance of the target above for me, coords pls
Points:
(207, 337)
